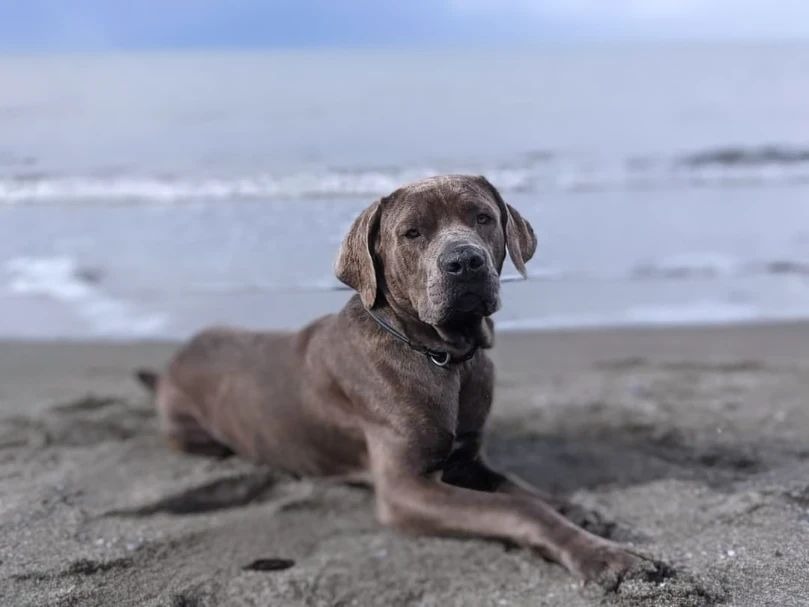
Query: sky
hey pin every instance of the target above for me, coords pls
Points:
(81, 25)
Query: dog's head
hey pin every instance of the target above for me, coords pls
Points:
(435, 249)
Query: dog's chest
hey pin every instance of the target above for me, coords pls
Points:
(456, 420)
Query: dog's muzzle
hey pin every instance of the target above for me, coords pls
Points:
(468, 280)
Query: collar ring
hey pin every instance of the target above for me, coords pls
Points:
(440, 359)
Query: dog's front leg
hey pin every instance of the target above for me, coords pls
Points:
(409, 499)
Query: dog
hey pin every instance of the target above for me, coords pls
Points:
(395, 387)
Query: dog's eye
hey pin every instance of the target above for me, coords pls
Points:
(412, 233)
(483, 219)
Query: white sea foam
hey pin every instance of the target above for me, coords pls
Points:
(693, 313)
(529, 176)
(59, 278)
(163, 190)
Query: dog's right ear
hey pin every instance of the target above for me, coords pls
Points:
(355, 261)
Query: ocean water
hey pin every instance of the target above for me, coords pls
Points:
(149, 195)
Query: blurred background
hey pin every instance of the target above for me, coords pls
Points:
(166, 165)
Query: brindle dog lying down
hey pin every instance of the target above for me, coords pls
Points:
(396, 385)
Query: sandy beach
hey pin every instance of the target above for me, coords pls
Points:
(692, 445)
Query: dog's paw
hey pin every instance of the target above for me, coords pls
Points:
(618, 576)
(607, 565)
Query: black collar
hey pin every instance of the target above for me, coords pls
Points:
(438, 357)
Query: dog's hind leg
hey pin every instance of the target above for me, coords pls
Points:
(180, 426)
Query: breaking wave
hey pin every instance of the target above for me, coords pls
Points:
(722, 167)
(61, 279)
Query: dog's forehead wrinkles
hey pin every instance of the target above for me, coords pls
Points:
(447, 192)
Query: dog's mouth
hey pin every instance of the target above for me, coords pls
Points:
(470, 302)
(465, 321)
(467, 308)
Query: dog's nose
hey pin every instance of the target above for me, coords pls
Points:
(462, 262)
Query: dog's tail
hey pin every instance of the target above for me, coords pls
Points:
(148, 378)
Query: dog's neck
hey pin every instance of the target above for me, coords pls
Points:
(456, 340)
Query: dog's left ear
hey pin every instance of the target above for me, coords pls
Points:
(520, 238)
(355, 261)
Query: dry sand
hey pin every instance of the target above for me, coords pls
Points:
(691, 444)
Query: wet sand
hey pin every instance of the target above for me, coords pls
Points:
(692, 445)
